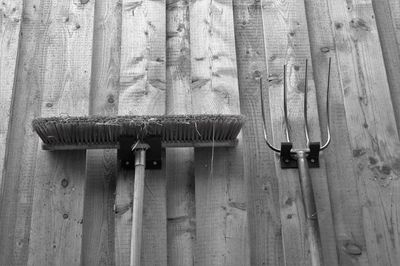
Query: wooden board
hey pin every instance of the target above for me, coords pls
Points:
(371, 123)
(16, 199)
(64, 64)
(101, 166)
(179, 162)
(347, 214)
(387, 16)
(142, 91)
(287, 42)
(10, 26)
(221, 211)
(259, 168)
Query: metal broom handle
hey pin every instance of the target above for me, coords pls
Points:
(137, 212)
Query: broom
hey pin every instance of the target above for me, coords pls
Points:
(138, 134)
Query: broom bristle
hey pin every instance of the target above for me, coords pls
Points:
(105, 130)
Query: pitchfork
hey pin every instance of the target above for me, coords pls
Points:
(303, 159)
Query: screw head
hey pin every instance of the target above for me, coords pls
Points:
(155, 163)
(126, 163)
(312, 160)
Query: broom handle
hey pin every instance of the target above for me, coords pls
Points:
(137, 213)
(310, 209)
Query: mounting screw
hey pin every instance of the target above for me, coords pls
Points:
(155, 163)
(312, 160)
(286, 160)
(126, 163)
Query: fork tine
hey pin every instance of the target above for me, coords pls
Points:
(285, 105)
(328, 131)
(264, 123)
(305, 106)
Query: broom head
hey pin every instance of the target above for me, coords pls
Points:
(101, 132)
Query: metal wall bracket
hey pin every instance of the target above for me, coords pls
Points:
(288, 158)
(127, 155)
(313, 156)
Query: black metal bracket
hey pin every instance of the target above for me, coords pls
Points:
(127, 155)
(313, 156)
(289, 160)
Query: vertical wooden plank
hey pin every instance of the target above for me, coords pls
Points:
(373, 135)
(221, 211)
(16, 198)
(142, 92)
(287, 42)
(346, 210)
(262, 182)
(179, 161)
(64, 76)
(101, 165)
(387, 14)
(10, 26)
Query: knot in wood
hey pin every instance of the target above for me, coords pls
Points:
(64, 183)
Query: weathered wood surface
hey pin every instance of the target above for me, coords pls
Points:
(179, 162)
(10, 26)
(347, 214)
(101, 166)
(387, 15)
(221, 211)
(374, 139)
(17, 192)
(225, 206)
(265, 238)
(64, 72)
(142, 91)
(287, 43)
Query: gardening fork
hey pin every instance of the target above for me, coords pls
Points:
(303, 159)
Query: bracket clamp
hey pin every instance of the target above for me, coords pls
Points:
(127, 155)
(288, 157)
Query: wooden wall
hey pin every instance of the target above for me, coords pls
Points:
(205, 207)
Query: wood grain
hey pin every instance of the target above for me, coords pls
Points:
(287, 42)
(142, 91)
(16, 200)
(179, 162)
(213, 58)
(259, 168)
(101, 166)
(64, 77)
(221, 211)
(10, 27)
(347, 214)
(387, 15)
(371, 123)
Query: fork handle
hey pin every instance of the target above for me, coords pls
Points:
(310, 210)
